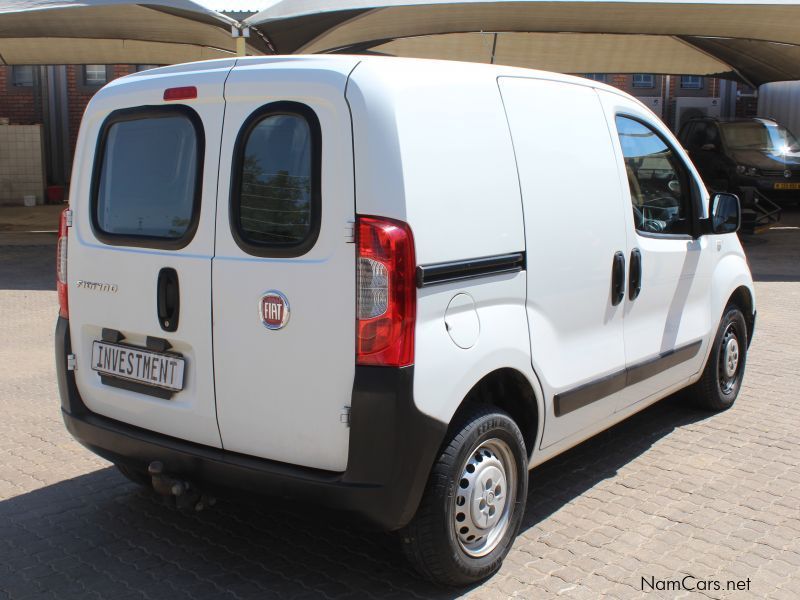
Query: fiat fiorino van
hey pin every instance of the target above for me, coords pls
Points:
(388, 286)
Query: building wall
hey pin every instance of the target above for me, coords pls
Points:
(625, 83)
(24, 105)
(669, 89)
(79, 94)
(20, 105)
(21, 165)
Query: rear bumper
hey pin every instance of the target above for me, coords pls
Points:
(392, 448)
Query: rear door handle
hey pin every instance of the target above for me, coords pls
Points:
(168, 301)
(635, 275)
(618, 279)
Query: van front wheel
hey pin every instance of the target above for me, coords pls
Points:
(722, 378)
(474, 501)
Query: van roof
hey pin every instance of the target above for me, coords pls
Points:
(317, 60)
(346, 62)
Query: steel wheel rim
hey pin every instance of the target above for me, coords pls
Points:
(485, 497)
(729, 359)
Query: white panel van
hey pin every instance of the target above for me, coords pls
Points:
(388, 286)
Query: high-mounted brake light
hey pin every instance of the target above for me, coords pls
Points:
(387, 294)
(61, 265)
(180, 93)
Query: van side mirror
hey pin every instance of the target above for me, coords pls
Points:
(726, 213)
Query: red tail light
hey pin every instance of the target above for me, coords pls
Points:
(61, 266)
(387, 294)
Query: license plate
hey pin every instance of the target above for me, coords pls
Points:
(154, 369)
(787, 186)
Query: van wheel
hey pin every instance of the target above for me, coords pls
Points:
(474, 501)
(137, 477)
(722, 377)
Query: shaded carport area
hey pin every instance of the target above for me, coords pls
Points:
(755, 42)
(160, 32)
(55, 33)
(672, 492)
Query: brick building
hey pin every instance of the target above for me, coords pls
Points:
(56, 97)
(47, 102)
(678, 97)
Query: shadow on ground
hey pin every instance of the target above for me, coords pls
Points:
(25, 266)
(100, 534)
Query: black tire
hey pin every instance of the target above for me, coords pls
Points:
(431, 541)
(717, 389)
(138, 477)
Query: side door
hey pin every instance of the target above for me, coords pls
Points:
(140, 254)
(575, 237)
(284, 267)
(667, 304)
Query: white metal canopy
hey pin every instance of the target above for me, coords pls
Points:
(114, 32)
(754, 41)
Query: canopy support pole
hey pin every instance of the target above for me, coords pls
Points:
(240, 34)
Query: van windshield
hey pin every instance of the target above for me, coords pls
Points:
(148, 177)
(759, 135)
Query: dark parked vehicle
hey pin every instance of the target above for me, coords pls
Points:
(745, 153)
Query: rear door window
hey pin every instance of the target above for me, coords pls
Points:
(275, 200)
(147, 182)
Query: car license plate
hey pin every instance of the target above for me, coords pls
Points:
(787, 186)
(138, 365)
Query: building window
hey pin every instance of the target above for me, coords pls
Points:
(601, 77)
(95, 75)
(22, 76)
(644, 80)
(691, 82)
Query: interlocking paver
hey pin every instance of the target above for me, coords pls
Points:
(671, 492)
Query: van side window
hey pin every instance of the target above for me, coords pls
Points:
(274, 204)
(147, 183)
(659, 182)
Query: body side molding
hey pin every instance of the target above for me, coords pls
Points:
(458, 270)
(585, 394)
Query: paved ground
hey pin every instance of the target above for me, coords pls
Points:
(671, 492)
(43, 217)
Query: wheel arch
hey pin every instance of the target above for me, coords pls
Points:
(732, 282)
(510, 390)
(743, 298)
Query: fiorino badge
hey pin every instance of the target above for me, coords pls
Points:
(274, 309)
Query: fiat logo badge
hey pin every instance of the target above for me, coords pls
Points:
(273, 308)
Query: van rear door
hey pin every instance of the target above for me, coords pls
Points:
(139, 260)
(284, 267)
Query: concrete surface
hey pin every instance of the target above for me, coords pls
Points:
(669, 493)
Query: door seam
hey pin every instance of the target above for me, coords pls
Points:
(214, 254)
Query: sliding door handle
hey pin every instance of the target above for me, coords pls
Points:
(635, 275)
(618, 279)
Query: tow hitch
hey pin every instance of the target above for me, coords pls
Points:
(185, 493)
